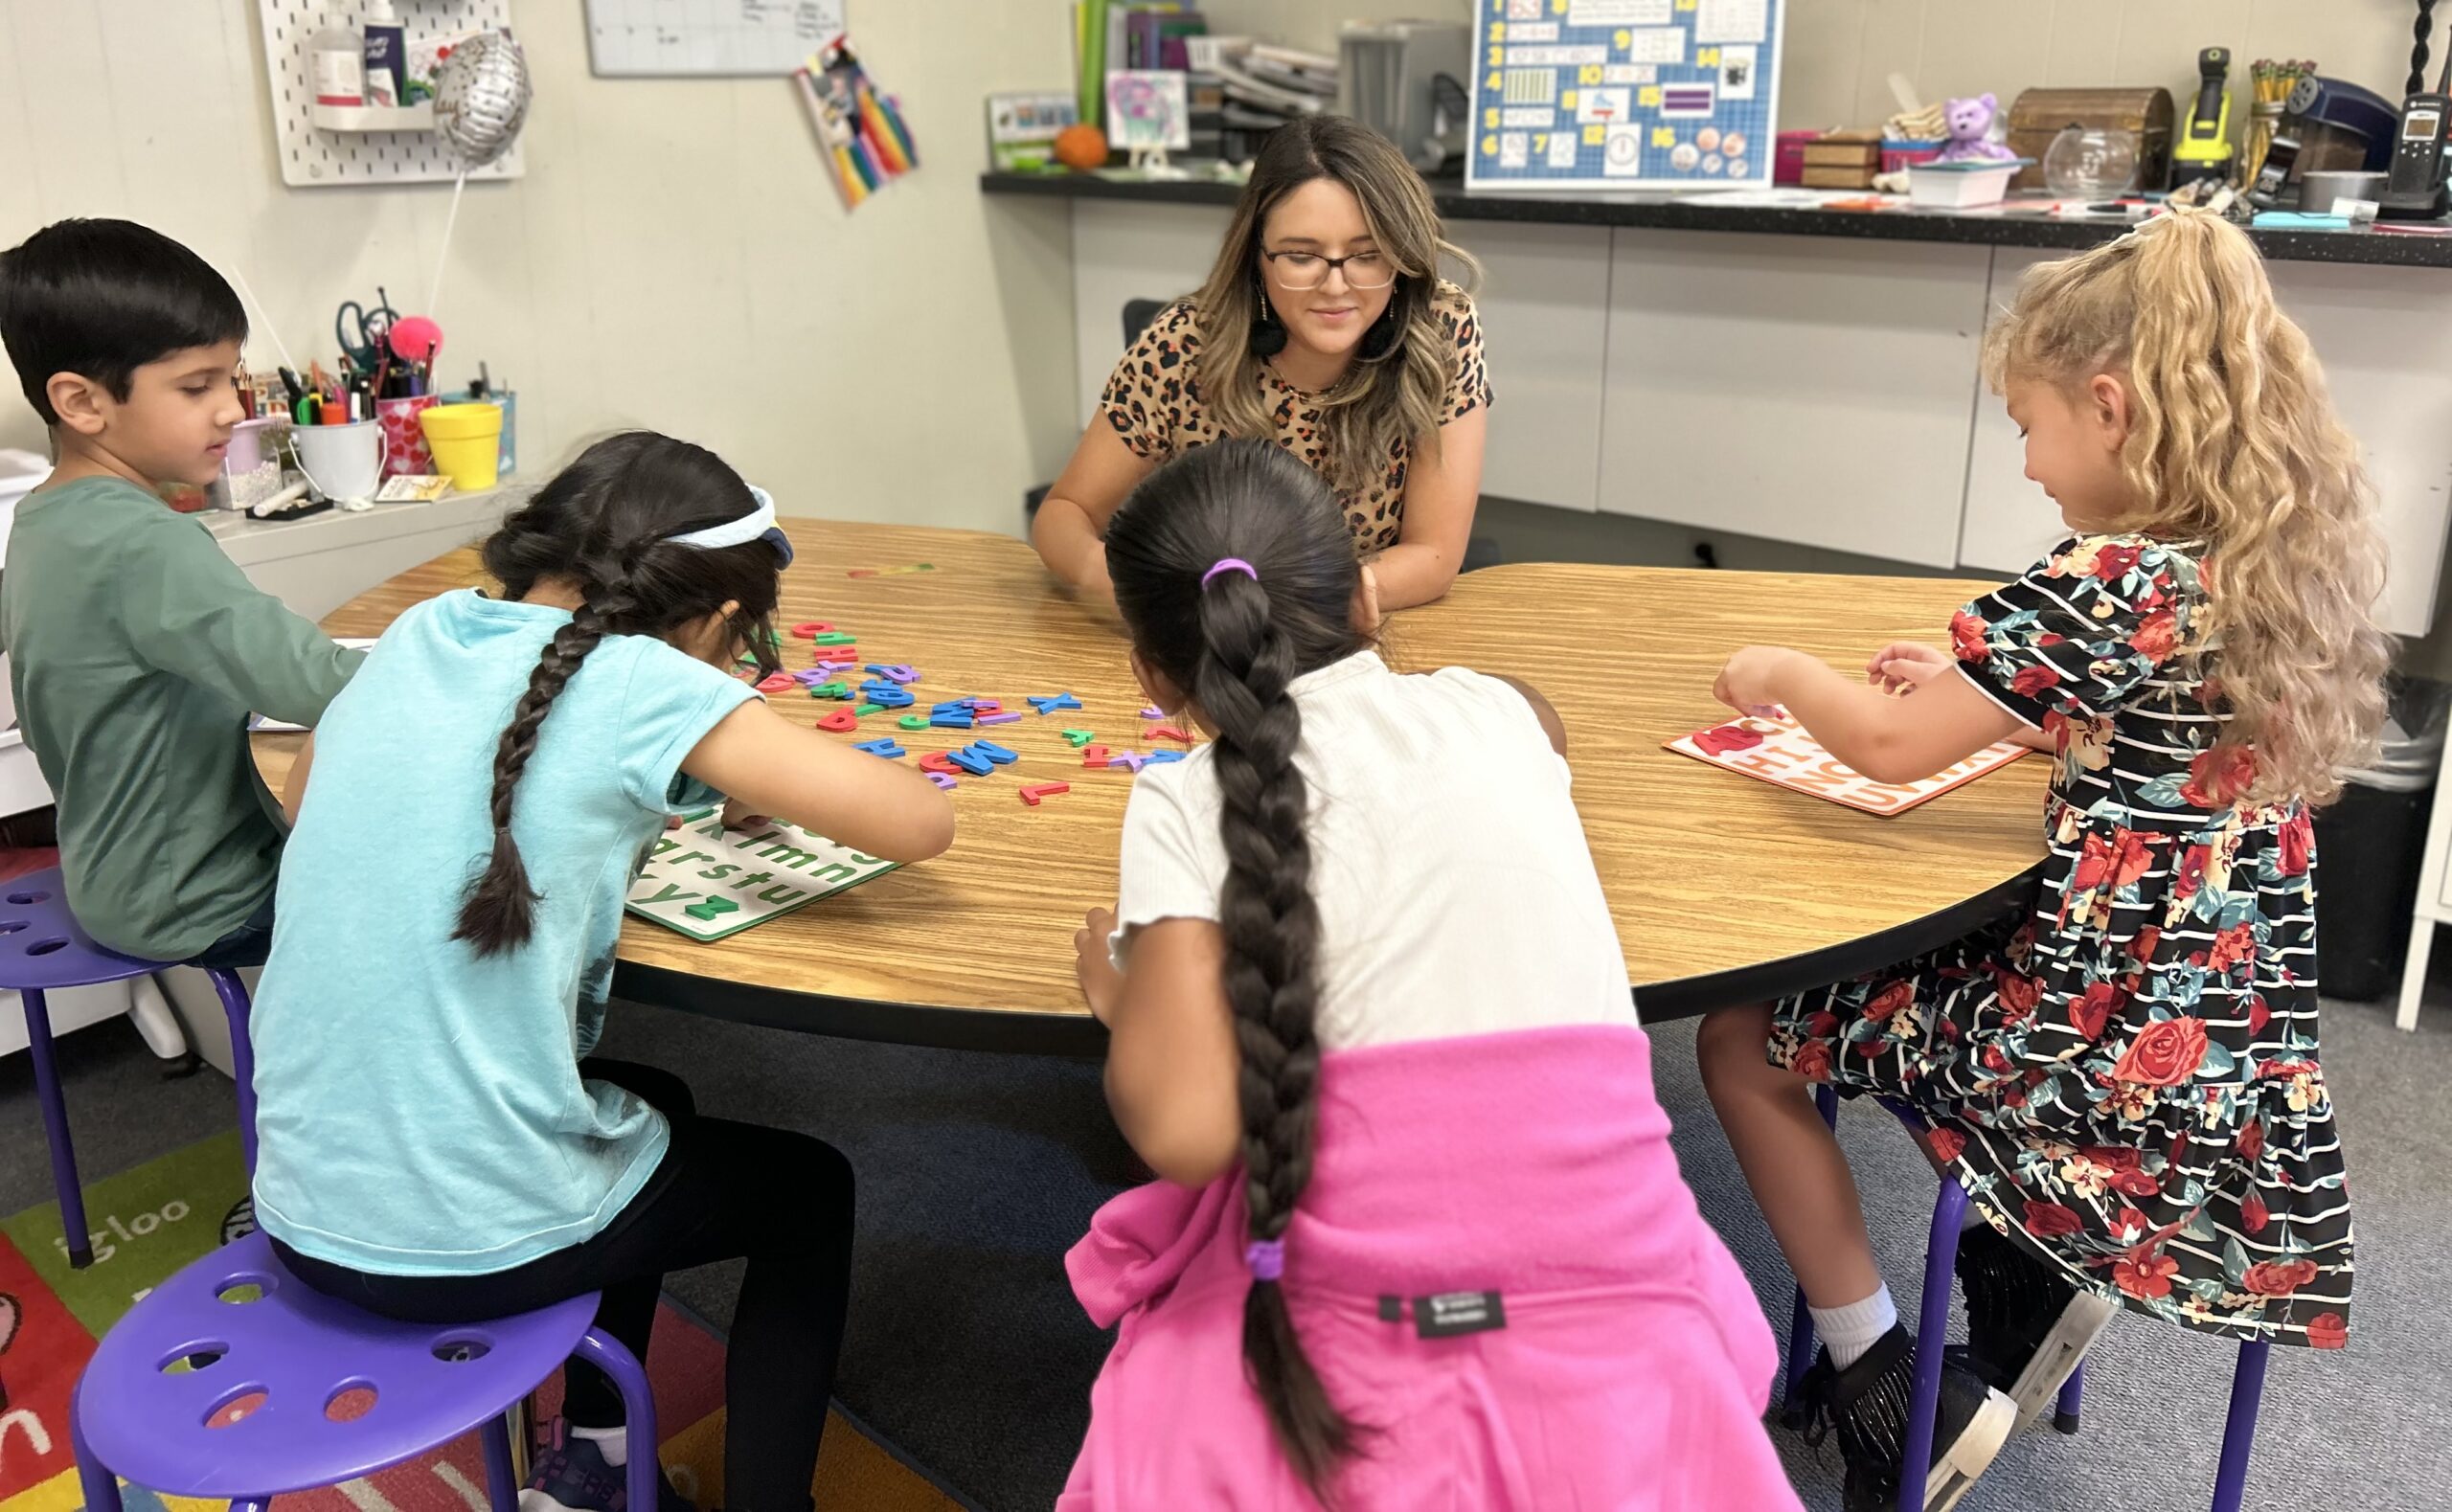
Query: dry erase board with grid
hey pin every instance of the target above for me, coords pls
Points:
(637, 38)
(1621, 94)
(311, 157)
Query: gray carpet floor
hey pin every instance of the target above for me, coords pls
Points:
(966, 1351)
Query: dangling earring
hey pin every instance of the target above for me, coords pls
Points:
(1268, 335)
(1381, 337)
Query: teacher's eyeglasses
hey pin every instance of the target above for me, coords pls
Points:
(1304, 271)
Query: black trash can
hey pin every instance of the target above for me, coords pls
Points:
(2370, 843)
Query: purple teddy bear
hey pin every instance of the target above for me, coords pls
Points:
(1969, 122)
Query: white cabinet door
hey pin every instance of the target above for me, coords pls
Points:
(2010, 521)
(1809, 391)
(2384, 335)
(1544, 304)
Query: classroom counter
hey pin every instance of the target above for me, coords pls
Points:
(1643, 352)
(1754, 213)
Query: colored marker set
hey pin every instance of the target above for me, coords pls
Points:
(861, 130)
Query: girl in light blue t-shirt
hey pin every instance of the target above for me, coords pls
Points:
(436, 1143)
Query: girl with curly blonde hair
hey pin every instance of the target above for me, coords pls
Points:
(2123, 1075)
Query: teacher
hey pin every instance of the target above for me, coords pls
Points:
(1326, 327)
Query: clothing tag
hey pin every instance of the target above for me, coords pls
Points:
(1453, 1312)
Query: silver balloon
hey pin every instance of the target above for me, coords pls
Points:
(481, 98)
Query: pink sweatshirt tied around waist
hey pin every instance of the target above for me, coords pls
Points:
(1634, 1365)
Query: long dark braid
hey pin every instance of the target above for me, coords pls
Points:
(1236, 639)
(603, 523)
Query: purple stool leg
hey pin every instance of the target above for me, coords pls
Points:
(101, 1487)
(242, 1057)
(605, 1352)
(54, 1124)
(501, 1486)
(2238, 1434)
(1932, 1326)
(2072, 1396)
(1826, 1100)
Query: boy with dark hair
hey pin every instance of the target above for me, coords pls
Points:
(136, 649)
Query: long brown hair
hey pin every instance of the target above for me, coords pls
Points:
(2234, 442)
(1234, 642)
(1381, 401)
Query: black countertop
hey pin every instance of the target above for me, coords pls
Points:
(1993, 227)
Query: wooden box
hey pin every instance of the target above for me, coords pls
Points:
(2039, 115)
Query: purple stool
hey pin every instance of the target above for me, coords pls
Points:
(1940, 1264)
(43, 949)
(235, 1380)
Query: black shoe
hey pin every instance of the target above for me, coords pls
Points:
(2027, 1326)
(1867, 1405)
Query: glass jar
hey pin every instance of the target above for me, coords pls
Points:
(2091, 162)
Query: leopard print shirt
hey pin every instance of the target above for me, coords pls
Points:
(1153, 402)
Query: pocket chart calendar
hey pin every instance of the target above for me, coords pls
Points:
(1625, 94)
(707, 882)
(1779, 752)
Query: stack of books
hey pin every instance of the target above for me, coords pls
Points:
(1263, 86)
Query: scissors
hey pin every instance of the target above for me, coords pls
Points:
(370, 327)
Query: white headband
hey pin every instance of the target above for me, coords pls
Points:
(733, 533)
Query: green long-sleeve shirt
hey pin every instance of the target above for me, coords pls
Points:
(136, 650)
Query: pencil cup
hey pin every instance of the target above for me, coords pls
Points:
(345, 462)
(403, 438)
(465, 438)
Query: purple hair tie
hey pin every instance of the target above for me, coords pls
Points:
(1266, 1257)
(1230, 564)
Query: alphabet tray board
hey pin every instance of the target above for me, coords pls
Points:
(707, 882)
(1779, 752)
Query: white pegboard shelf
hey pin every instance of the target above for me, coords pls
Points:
(375, 118)
(315, 155)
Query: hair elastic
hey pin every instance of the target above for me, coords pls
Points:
(1266, 1257)
(1229, 564)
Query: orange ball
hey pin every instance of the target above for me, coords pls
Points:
(1084, 146)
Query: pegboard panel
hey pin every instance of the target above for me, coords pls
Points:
(313, 158)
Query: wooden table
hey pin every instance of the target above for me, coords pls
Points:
(1724, 890)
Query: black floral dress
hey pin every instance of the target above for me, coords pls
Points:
(2125, 1077)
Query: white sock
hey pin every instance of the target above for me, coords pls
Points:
(614, 1443)
(1848, 1331)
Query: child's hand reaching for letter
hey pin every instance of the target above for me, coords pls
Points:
(1750, 680)
(1101, 984)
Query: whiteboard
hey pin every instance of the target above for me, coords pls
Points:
(644, 38)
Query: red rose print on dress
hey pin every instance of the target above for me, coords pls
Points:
(2051, 1220)
(2155, 637)
(2092, 1012)
(2253, 1216)
(2251, 1140)
(2278, 1277)
(2141, 949)
(2163, 1054)
(2116, 561)
(2327, 1331)
(2146, 1277)
(2232, 947)
(1887, 1003)
(2032, 682)
(1947, 1143)
(1967, 638)
(1813, 1061)
(2218, 777)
